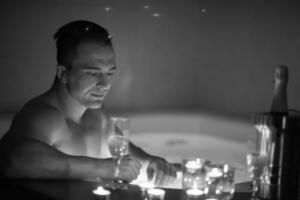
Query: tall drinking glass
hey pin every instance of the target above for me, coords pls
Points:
(219, 181)
(255, 171)
(118, 141)
(256, 154)
(193, 173)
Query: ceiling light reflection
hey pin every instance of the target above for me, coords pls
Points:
(156, 14)
(107, 8)
(146, 7)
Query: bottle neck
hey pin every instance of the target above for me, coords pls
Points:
(279, 104)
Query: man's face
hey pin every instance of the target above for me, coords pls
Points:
(91, 72)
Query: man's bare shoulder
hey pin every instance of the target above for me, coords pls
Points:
(38, 120)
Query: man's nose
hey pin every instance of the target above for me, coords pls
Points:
(102, 81)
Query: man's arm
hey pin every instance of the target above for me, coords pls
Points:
(29, 158)
(139, 153)
(27, 151)
(158, 169)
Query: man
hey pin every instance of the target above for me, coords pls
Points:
(62, 133)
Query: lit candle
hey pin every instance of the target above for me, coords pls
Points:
(193, 164)
(194, 192)
(214, 173)
(146, 185)
(100, 191)
(226, 168)
(156, 193)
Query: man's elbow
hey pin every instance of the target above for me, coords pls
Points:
(12, 166)
(16, 160)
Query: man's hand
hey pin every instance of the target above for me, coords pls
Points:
(162, 172)
(129, 169)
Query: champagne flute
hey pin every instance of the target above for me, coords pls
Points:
(256, 157)
(118, 141)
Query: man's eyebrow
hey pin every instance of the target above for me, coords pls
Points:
(89, 68)
(96, 68)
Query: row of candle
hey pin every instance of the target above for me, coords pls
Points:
(152, 193)
(200, 177)
(203, 177)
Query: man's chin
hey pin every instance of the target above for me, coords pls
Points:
(95, 105)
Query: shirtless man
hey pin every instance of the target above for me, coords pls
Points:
(62, 133)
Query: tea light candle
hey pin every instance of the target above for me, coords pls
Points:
(214, 173)
(193, 164)
(156, 193)
(226, 168)
(194, 192)
(100, 191)
(146, 185)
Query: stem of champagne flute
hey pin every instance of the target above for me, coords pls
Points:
(116, 162)
(117, 169)
(254, 195)
(118, 183)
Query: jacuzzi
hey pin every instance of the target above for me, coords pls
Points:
(178, 135)
(175, 135)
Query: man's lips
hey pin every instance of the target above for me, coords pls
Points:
(98, 95)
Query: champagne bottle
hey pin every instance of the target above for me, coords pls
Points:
(276, 176)
(279, 102)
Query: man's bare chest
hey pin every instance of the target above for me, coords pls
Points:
(83, 140)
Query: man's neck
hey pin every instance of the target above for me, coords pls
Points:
(72, 109)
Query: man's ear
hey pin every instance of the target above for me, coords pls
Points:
(61, 73)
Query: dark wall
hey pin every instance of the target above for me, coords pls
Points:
(215, 55)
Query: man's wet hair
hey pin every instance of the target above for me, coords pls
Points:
(69, 36)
